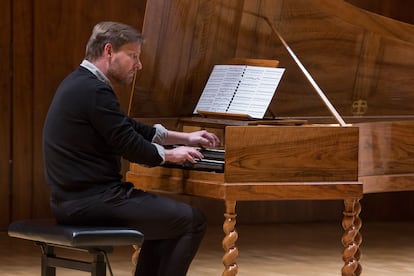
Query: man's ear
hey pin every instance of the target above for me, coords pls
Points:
(108, 49)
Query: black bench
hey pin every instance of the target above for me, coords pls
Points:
(98, 241)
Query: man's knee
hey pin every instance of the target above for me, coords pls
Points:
(199, 221)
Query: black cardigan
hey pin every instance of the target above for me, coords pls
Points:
(85, 135)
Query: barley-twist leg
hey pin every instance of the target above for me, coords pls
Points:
(351, 239)
(229, 241)
(134, 258)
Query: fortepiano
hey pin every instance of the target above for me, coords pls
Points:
(363, 61)
(274, 163)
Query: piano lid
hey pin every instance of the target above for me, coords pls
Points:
(362, 61)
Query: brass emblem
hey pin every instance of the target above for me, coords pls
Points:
(359, 107)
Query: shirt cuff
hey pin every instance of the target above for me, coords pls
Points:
(160, 134)
(161, 152)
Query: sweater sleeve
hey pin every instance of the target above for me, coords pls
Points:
(130, 140)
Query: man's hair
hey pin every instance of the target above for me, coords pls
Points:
(117, 34)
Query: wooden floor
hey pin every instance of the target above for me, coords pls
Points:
(278, 249)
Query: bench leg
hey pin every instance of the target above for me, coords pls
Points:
(47, 252)
(50, 261)
(98, 265)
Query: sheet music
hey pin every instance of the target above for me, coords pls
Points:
(240, 89)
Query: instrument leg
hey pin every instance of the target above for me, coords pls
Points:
(229, 241)
(135, 256)
(351, 239)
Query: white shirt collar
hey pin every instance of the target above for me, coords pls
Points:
(95, 70)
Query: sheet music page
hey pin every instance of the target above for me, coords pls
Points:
(256, 90)
(240, 89)
(220, 88)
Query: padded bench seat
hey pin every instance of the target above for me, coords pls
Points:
(96, 240)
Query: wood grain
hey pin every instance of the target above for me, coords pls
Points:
(354, 56)
(289, 154)
(5, 114)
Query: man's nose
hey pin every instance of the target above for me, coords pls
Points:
(138, 65)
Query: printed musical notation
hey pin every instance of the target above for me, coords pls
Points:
(240, 89)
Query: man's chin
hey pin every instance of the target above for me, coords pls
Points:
(123, 83)
(128, 81)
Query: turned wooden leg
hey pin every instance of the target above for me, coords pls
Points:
(135, 256)
(229, 241)
(351, 239)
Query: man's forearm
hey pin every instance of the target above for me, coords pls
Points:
(174, 137)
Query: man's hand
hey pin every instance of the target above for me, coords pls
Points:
(182, 154)
(203, 138)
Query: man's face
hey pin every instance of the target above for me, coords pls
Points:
(124, 62)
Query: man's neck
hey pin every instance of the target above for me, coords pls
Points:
(96, 70)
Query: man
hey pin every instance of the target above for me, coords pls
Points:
(86, 134)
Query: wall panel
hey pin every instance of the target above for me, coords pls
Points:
(22, 178)
(5, 112)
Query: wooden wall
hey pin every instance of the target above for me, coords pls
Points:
(42, 41)
(5, 113)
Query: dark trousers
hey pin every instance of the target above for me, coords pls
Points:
(172, 230)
